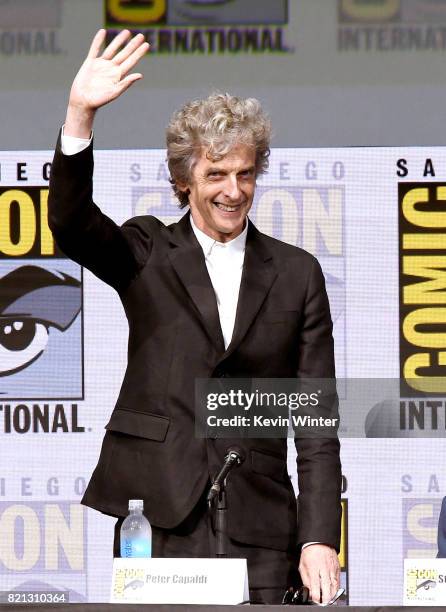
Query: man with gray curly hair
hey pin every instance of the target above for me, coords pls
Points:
(217, 125)
(207, 297)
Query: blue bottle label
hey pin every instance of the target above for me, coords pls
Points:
(136, 547)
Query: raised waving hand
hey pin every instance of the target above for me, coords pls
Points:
(103, 77)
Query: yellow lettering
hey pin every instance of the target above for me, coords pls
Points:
(318, 220)
(365, 11)
(429, 291)
(27, 223)
(423, 218)
(425, 316)
(428, 242)
(134, 14)
(426, 573)
(46, 237)
(29, 524)
(343, 547)
(426, 384)
(288, 211)
(70, 537)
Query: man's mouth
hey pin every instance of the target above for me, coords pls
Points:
(226, 207)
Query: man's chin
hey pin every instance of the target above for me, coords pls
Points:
(229, 225)
(231, 228)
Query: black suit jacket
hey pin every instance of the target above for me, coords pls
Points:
(283, 329)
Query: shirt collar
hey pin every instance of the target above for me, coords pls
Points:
(236, 245)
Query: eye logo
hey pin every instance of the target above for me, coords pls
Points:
(41, 295)
(20, 344)
(32, 301)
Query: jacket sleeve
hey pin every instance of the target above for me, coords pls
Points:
(318, 460)
(85, 234)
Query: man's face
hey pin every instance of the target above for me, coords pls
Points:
(221, 192)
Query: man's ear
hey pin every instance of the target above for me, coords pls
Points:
(184, 187)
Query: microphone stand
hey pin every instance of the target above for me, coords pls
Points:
(221, 518)
(234, 458)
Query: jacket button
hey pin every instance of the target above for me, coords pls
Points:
(220, 373)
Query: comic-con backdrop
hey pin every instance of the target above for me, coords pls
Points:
(375, 218)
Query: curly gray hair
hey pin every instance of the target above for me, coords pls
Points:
(217, 123)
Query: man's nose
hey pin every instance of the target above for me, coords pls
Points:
(232, 188)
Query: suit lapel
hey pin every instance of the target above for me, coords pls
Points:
(258, 276)
(187, 259)
(259, 273)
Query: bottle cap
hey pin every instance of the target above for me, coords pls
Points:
(136, 504)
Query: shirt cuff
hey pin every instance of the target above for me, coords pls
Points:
(72, 145)
(309, 544)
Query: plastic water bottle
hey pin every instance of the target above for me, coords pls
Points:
(136, 533)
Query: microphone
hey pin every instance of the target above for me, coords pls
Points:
(235, 456)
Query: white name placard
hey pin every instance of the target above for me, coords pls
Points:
(425, 582)
(180, 581)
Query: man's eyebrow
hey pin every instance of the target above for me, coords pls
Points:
(215, 169)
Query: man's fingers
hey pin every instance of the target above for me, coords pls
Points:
(310, 579)
(134, 58)
(330, 578)
(320, 571)
(304, 576)
(129, 80)
(128, 49)
(115, 44)
(334, 574)
(328, 589)
(315, 587)
(96, 44)
(337, 576)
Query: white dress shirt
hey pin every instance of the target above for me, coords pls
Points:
(224, 262)
(71, 145)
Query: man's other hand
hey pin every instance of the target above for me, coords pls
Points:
(320, 571)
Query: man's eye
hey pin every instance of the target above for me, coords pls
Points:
(21, 342)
